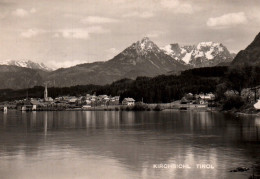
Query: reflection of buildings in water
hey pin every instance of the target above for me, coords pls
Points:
(78, 120)
(257, 126)
(24, 119)
(93, 118)
(257, 121)
(115, 118)
(72, 118)
(203, 119)
(87, 117)
(128, 117)
(33, 119)
(45, 122)
(111, 119)
(191, 120)
(4, 119)
(106, 119)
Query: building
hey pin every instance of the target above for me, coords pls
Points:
(36, 104)
(205, 98)
(45, 92)
(46, 98)
(128, 102)
(257, 105)
(114, 100)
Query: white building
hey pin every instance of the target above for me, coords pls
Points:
(128, 101)
(257, 105)
(205, 98)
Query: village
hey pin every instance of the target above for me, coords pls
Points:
(105, 102)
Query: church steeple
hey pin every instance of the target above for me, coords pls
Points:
(46, 93)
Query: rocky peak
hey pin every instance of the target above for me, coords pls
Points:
(144, 46)
(200, 55)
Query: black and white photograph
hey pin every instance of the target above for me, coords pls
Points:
(129, 89)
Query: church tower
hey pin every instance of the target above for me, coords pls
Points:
(46, 93)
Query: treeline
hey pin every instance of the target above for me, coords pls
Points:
(163, 88)
(37, 92)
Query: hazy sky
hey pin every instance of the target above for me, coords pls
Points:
(67, 32)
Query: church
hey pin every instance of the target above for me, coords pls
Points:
(46, 98)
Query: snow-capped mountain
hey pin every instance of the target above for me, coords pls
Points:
(147, 58)
(26, 64)
(204, 54)
(142, 58)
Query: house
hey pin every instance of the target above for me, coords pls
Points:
(48, 99)
(205, 98)
(36, 104)
(86, 106)
(114, 100)
(73, 100)
(128, 101)
(257, 105)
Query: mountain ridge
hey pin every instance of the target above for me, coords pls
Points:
(27, 64)
(141, 58)
(250, 55)
(204, 54)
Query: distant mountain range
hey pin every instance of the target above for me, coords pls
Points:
(142, 58)
(204, 54)
(26, 64)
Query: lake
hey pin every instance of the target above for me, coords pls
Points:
(114, 144)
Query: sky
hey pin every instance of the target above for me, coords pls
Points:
(62, 33)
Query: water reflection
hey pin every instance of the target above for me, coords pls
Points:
(128, 142)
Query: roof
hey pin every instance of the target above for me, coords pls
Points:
(129, 100)
(34, 102)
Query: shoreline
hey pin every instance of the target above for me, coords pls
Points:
(148, 107)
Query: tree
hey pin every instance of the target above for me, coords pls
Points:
(237, 79)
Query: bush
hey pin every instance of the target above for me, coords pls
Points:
(140, 107)
(233, 102)
(157, 108)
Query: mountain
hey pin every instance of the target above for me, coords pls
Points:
(142, 58)
(26, 64)
(14, 77)
(204, 54)
(251, 55)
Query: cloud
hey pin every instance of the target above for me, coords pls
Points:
(80, 33)
(33, 10)
(145, 14)
(75, 33)
(31, 33)
(64, 63)
(111, 53)
(177, 6)
(116, 1)
(23, 13)
(155, 34)
(227, 20)
(3, 15)
(97, 20)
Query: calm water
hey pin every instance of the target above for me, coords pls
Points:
(112, 144)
